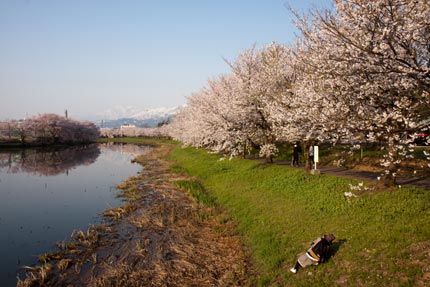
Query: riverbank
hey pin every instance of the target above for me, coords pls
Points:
(159, 237)
(382, 235)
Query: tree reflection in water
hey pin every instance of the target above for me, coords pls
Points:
(40, 205)
(48, 161)
(124, 148)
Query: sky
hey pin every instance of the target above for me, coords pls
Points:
(88, 56)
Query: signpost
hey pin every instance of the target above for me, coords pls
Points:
(316, 160)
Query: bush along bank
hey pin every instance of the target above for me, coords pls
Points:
(382, 236)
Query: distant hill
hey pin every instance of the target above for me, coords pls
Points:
(117, 116)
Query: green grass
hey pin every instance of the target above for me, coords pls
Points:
(196, 191)
(280, 210)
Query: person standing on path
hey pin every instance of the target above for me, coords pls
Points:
(311, 154)
(296, 153)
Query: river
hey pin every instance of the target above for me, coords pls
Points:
(46, 194)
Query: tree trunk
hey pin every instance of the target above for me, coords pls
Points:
(308, 163)
(393, 168)
(269, 156)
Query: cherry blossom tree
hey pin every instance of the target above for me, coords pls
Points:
(6, 130)
(371, 58)
(212, 118)
(249, 108)
(357, 72)
(156, 132)
(52, 129)
(248, 68)
(88, 131)
(25, 129)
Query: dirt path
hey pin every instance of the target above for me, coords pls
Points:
(420, 182)
(423, 183)
(161, 237)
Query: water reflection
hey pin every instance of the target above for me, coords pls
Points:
(48, 162)
(45, 194)
(132, 149)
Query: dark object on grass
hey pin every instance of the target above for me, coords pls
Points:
(316, 254)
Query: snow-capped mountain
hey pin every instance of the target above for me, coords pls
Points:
(118, 112)
(119, 115)
(156, 113)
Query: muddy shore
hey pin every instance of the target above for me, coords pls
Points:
(159, 237)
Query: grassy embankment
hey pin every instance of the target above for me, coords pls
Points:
(279, 210)
(382, 237)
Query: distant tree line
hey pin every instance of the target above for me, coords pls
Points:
(48, 129)
(159, 132)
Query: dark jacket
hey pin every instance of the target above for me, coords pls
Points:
(319, 249)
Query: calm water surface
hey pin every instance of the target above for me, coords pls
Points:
(46, 194)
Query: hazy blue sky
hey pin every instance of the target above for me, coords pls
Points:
(90, 55)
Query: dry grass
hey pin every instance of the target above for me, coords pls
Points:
(63, 264)
(160, 237)
(36, 276)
